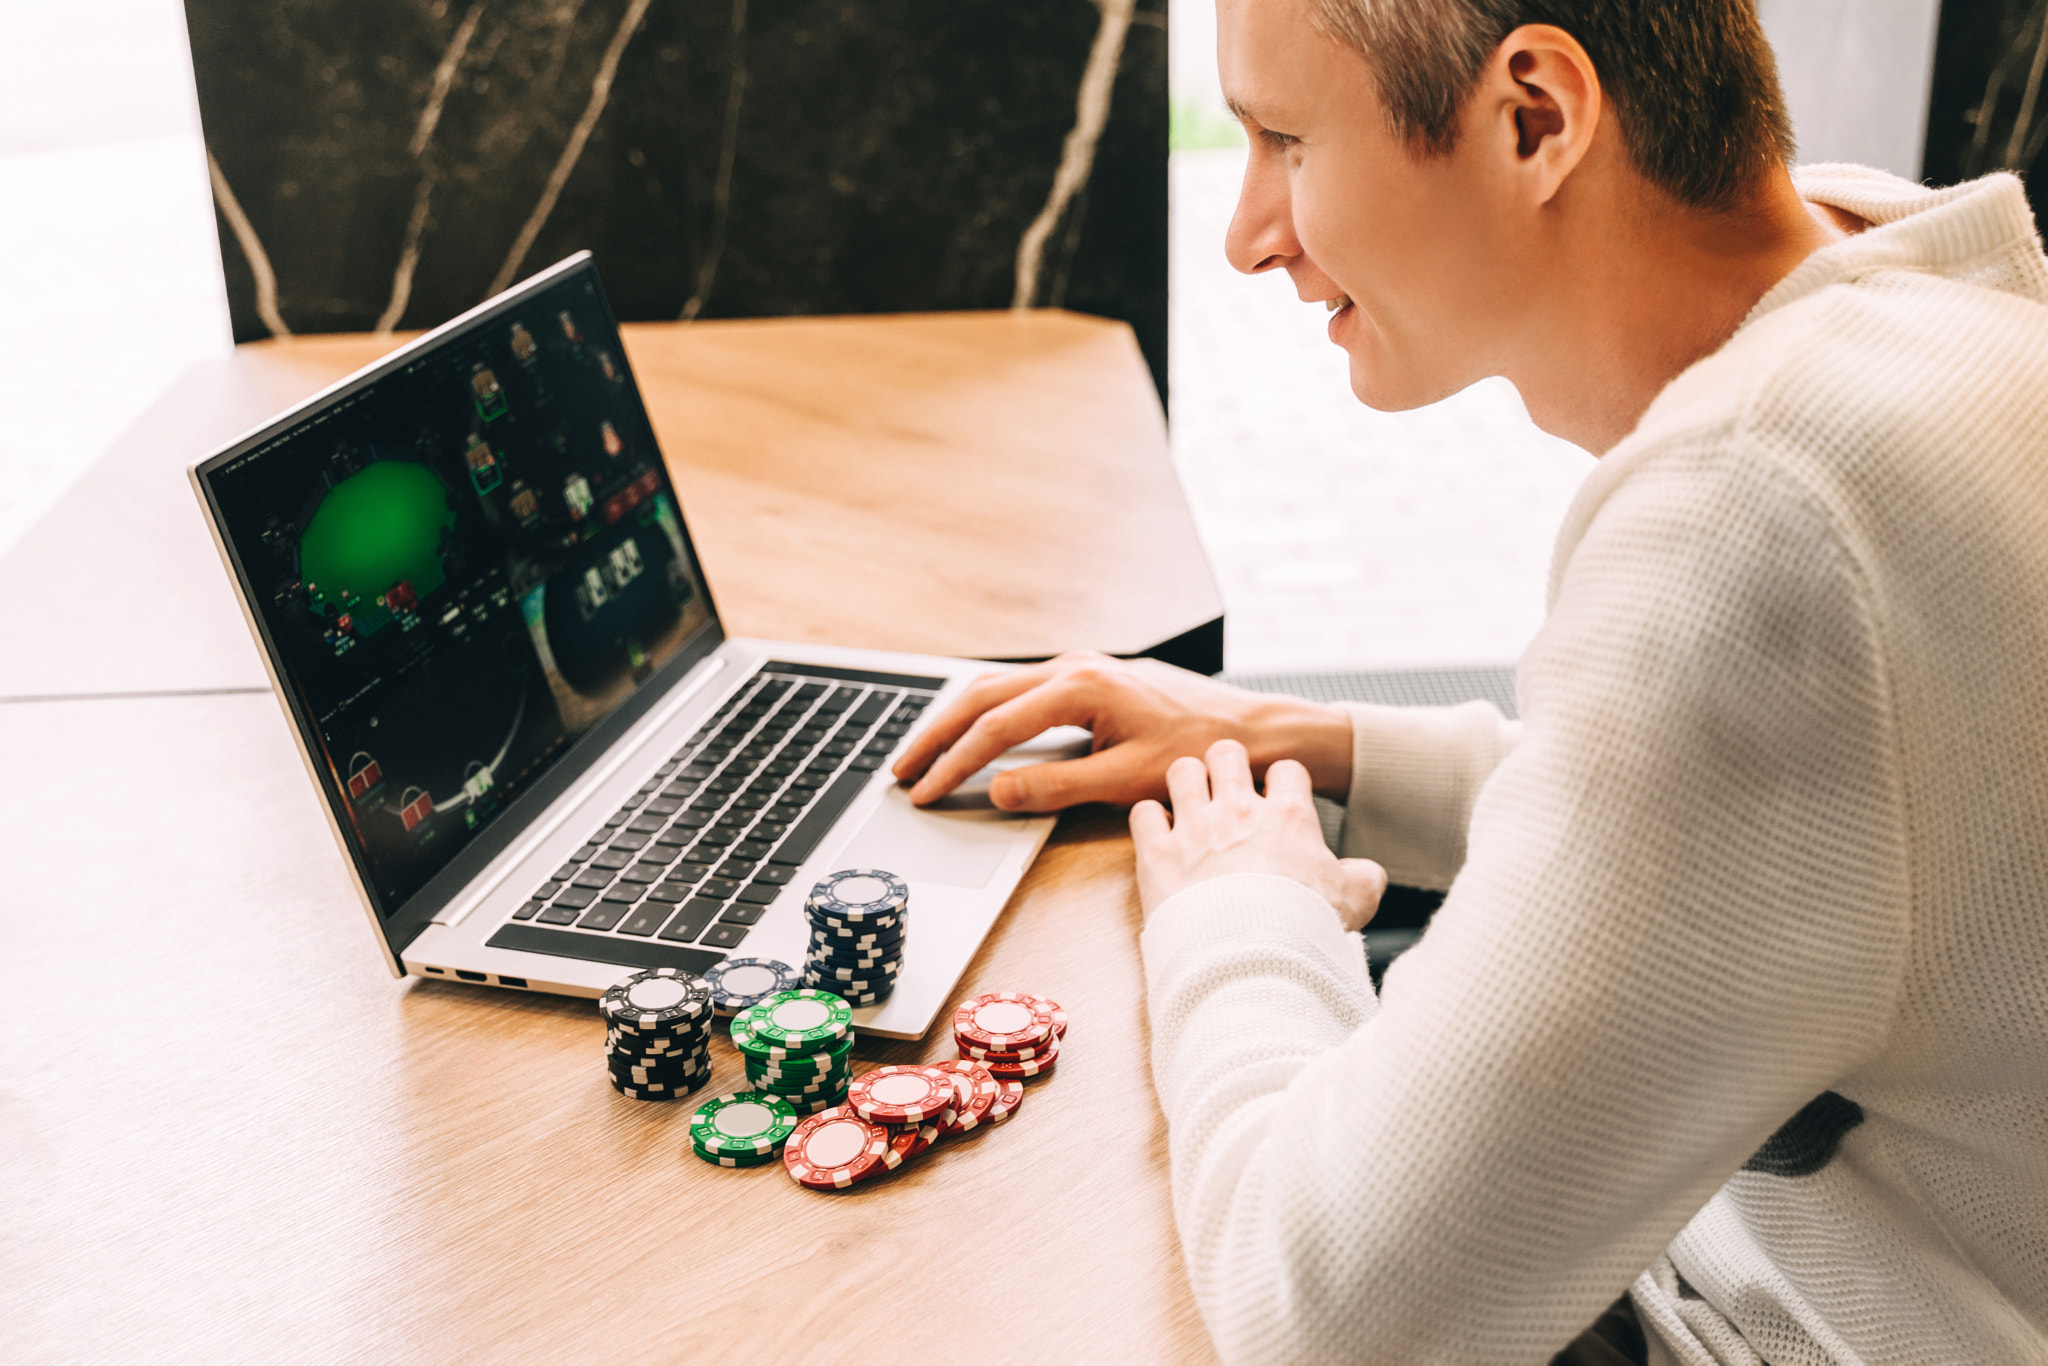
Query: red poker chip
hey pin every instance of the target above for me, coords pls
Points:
(1008, 1098)
(1004, 1020)
(1029, 1067)
(978, 1053)
(977, 1089)
(1058, 1013)
(900, 1094)
(908, 1140)
(833, 1149)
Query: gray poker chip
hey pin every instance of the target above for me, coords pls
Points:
(658, 999)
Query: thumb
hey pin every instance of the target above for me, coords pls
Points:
(1364, 883)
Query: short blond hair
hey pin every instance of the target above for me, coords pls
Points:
(1693, 82)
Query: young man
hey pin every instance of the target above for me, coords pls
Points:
(1738, 1003)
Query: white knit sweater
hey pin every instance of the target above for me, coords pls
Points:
(1775, 824)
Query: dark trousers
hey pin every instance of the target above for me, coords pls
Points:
(1615, 1339)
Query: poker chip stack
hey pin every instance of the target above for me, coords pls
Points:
(1013, 1034)
(657, 1042)
(859, 918)
(798, 1046)
(745, 1129)
(892, 1114)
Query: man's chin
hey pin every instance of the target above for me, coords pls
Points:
(1390, 388)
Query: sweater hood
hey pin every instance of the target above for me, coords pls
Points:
(1980, 232)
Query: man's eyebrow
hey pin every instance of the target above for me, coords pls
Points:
(1237, 110)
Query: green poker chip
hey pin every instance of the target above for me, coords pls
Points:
(718, 1159)
(744, 1122)
(838, 1057)
(803, 1021)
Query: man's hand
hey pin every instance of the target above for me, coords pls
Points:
(1221, 825)
(1143, 715)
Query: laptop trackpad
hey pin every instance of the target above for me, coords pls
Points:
(957, 846)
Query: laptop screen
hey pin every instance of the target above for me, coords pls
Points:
(462, 565)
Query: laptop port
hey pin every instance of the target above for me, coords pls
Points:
(511, 981)
(436, 969)
(468, 976)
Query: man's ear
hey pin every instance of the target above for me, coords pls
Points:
(1538, 102)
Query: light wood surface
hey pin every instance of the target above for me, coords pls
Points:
(228, 1136)
(990, 485)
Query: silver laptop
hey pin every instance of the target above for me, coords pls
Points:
(546, 763)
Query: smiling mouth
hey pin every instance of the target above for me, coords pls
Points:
(1341, 301)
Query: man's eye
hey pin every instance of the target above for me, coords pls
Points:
(1282, 140)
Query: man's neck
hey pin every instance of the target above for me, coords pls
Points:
(1645, 287)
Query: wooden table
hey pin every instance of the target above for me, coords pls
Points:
(227, 1136)
(995, 485)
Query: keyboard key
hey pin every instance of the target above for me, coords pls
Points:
(546, 890)
(836, 748)
(603, 916)
(831, 803)
(707, 801)
(661, 806)
(736, 819)
(690, 870)
(810, 782)
(840, 700)
(751, 851)
(719, 887)
(736, 870)
(559, 914)
(528, 911)
(569, 870)
(752, 801)
(776, 873)
(717, 837)
(769, 831)
(696, 772)
(689, 920)
(617, 819)
(666, 893)
(671, 841)
(625, 893)
(760, 893)
(872, 706)
(612, 858)
(631, 839)
(574, 898)
(645, 825)
(865, 763)
(645, 919)
(586, 853)
(808, 693)
(593, 877)
(723, 936)
(893, 729)
(693, 820)
(742, 913)
(681, 788)
(642, 873)
(879, 746)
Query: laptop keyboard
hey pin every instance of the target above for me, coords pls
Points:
(696, 855)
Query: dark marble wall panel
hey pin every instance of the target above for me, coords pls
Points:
(1988, 108)
(391, 162)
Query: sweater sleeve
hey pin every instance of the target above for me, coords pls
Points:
(1415, 772)
(1682, 914)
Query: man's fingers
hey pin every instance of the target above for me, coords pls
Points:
(1230, 771)
(1110, 775)
(1187, 785)
(1055, 702)
(1365, 882)
(989, 690)
(1288, 781)
(1148, 824)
